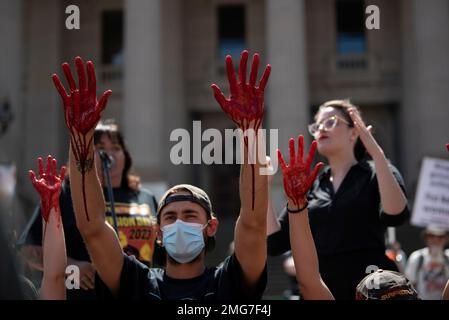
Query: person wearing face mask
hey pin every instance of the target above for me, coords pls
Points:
(428, 268)
(135, 210)
(351, 202)
(186, 220)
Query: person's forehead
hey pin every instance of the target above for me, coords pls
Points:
(181, 206)
(328, 112)
(108, 138)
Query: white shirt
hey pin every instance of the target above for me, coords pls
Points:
(430, 280)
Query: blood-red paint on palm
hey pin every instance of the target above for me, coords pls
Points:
(82, 112)
(297, 176)
(48, 185)
(245, 104)
(246, 101)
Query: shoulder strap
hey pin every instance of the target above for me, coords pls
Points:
(419, 265)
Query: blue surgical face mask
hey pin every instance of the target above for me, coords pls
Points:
(183, 241)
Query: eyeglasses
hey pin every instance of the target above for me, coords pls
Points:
(326, 124)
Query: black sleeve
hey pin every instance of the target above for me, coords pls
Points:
(10, 288)
(279, 242)
(232, 284)
(32, 234)
(134, 282)
(396, 220)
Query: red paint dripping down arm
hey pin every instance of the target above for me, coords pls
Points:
(250, 230)
(298, 179)
(82, 112)
(48, 185)
(245, 107)
(87, 194)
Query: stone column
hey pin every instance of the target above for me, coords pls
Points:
(143, 96)
(174, 106)
(287, 100)
(425, 79)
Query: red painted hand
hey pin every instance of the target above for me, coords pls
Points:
(82, 113)
(48, 185)
(297, 176)
(245, 106)
(447, 147)
(81, 108)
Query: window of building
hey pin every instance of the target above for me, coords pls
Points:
(112, 37)
(231, 30)
(350, 27)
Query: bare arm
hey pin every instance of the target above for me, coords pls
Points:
(250, 230)
(446, 289)
(298, 179)
(391, 195)
(33, 255)
(54, 257)
(101, 240)
(245, 106)
(273, 224)
(311, 286)
(48, 185)
(82, 113)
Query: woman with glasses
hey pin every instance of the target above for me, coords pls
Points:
(351, 202)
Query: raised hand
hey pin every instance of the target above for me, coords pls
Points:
(365, 135)
(48, 185)
(245, 105)
(81, 108)
(82, 112)
(297, 176)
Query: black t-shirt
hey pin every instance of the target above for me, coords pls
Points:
(225, 282)
(10, 287)
(348, 221)
(134, 210)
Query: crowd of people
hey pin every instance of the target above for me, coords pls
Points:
(94, 215)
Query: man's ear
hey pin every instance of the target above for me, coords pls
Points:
(212, 227)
